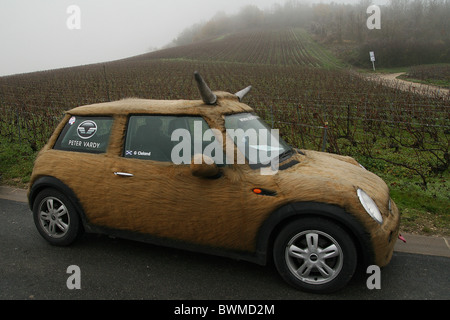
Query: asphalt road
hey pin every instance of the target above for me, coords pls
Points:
(110, 268)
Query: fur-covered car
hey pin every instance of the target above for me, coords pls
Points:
(167, 172)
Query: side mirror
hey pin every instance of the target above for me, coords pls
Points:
(203, 167)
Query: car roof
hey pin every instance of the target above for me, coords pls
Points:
(226, 104)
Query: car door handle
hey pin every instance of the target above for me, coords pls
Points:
(124, 174)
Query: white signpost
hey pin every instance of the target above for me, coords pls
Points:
(372, 58)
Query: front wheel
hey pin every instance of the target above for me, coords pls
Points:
(56, 218)
(315, 255)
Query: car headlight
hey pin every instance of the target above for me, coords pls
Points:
(370, 206)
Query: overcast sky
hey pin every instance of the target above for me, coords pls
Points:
(34, 34)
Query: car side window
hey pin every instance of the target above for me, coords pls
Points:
(154, 137)
(85, 134)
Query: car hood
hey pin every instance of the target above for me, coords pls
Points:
(333, 179)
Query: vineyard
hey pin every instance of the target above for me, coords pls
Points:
(298, 87)
(292, 46)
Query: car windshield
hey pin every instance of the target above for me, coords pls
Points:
(256, 140)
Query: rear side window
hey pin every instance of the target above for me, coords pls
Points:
(85, 134)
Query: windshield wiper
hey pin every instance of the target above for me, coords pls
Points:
(285, 155)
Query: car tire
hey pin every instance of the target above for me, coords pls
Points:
(56, 218)
(315, 255)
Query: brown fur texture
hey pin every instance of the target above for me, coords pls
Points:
(166, 200)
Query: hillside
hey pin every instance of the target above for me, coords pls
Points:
(282, 46)
(284, 66)
(402, 33)
(286, 57)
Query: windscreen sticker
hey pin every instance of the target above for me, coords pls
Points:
(87, 129)
(251, 117)
(138, 153)
(72, 120)
(85, 144)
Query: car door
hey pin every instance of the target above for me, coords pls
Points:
(151, 194)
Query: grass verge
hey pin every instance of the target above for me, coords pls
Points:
(432, 82)
(16, 163)
(423, 211)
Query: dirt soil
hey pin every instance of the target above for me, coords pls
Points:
(390, 79)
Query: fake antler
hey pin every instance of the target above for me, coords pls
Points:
(241, 94)
(208, 96)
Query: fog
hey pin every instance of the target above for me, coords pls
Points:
(43, 34)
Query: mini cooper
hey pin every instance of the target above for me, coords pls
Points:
(210, 176)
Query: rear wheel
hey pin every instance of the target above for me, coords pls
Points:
(56, 218)
(315, 255)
